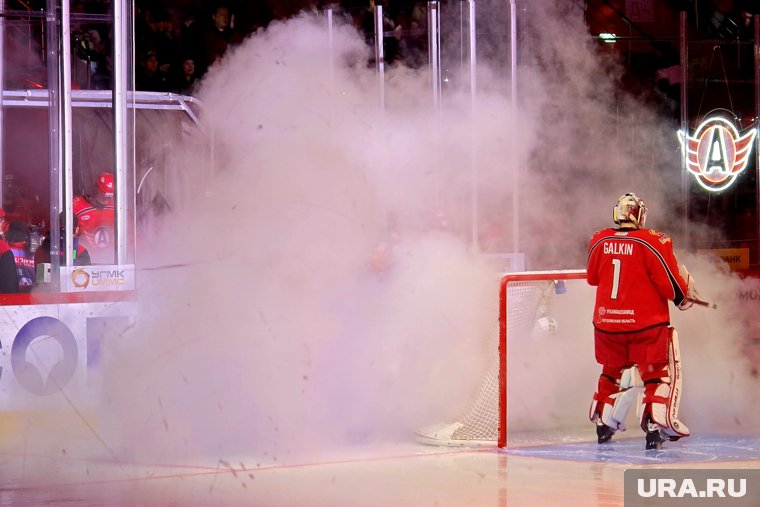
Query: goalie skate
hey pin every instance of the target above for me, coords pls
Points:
(451, 435)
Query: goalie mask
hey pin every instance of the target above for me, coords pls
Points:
(630, 211)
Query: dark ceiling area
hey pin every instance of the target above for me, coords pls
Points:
(650, 21)
(646, 35)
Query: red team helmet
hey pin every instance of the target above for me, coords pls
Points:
(105, 184)
(630, 210)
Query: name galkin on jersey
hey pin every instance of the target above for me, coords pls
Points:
(617, 248)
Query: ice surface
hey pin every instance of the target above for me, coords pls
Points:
(629, 450)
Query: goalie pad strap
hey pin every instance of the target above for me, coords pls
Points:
(603, 399)
(652, 398)
(654, 375)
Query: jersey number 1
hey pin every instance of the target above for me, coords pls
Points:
(615, 278)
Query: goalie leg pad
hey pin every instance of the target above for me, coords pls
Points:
(613, 399)
(663, 394)
(609, 384)
(631, 391)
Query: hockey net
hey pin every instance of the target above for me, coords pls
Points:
(525, 303)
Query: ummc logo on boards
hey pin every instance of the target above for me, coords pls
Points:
(98, 277)
(82, 278)
(663, 487)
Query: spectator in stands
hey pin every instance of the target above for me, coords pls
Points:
(81, 255)
(8, 275)
(149, 77)
(161, 34)
(17, 238)
(91, 68)
(184, 81)
(95, 217)
(412, 42)
(363, 18)
(219, 36)
(191, 37)
(101, 80)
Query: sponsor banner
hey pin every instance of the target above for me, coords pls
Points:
(98, 277)
(736, 258)
(50, 353)
(682, 487)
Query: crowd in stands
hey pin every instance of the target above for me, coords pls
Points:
(175, 46)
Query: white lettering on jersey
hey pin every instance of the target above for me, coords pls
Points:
(616, 248)
(102, 237)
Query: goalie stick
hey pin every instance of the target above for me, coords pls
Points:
(703, 303)
(692, 295)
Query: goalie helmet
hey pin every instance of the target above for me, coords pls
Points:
(629, 211)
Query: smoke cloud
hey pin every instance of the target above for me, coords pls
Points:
(321, 288)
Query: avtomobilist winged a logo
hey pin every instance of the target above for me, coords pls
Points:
(717, 154)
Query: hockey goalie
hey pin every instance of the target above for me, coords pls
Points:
(636, 275)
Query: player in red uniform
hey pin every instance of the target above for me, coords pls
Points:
(8, 274)
(95, 216)
(17, 237)
(636, 275)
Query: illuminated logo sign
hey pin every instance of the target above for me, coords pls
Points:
(716, 154)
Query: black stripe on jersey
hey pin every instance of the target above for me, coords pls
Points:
(92, 208)
(665, 323)
(679, 295)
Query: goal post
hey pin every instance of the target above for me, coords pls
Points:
(511, 311)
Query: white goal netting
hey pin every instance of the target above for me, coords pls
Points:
(525, 306)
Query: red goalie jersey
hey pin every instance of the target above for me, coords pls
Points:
(637, 274)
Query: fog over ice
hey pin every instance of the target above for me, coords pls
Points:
(322, 289)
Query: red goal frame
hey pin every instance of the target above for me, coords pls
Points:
(575, 274)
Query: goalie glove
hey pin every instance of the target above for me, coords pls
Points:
(691, 291)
